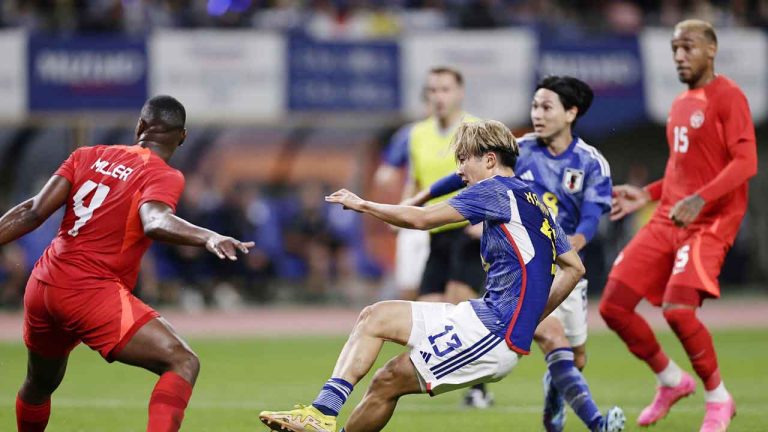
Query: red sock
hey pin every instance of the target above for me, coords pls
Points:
(697, 343)
(168, 402)
(32, 418)
(617, 308)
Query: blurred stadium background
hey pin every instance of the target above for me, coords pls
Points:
(288, 100)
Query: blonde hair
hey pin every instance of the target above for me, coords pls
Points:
(481, 137)
(701, 26)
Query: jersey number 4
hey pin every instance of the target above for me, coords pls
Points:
(681, 139)
(83, 212)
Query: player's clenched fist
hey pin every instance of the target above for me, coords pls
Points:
(223, 246)
(346, 199)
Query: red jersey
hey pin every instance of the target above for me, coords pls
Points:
(101, 236)
(712, 152)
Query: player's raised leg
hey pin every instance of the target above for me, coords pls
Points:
(33, 403)
(383, 321)
(157, 348)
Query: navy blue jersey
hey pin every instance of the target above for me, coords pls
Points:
(396, 152)
(518, 248)
(574, 182)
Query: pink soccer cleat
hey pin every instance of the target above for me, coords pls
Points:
(664, 399)
(718, 416)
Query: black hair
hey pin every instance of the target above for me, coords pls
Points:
(573, 92)
(164, 110)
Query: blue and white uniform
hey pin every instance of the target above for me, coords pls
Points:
(576, 187)
(480, 340)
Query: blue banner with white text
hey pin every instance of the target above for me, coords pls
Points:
(87, 73)
(612, 67)
(343, 75)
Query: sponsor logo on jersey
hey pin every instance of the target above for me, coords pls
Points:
(527, 176)
(573, 180)
(697, 119)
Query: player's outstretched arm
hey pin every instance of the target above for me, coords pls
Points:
(31, 213)
(570, 271)
(161, 224)
(420, 218)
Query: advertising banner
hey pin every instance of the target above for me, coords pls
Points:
(613, 69)
(13, 74)
(343, 75)
(86, 73)
(220, 75)
(496, 66)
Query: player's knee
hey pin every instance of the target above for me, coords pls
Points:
(370, 319)
(182, 360)
(613, 314)
(36, 389)
(680, 318)
(386, 381)
(550, 338)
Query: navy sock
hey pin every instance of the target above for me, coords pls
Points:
(570, 383)
(332, 396)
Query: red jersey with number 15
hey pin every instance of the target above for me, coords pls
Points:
(101, 237)
(707, 129)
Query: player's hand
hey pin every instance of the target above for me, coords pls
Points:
(347, 199)
(227, 247)
(577, 241)
(627, 199)
(686, 210)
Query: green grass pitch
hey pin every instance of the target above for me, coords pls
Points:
(240, 377)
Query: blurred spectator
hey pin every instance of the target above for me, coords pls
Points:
(310, 235)
(372, 18)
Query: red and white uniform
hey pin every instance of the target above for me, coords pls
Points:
(712, 153)
(80, 288)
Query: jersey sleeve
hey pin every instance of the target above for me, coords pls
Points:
(484, 201)
(562, 245)
(739, 132)
(165, 186)
(598, 186)
(397, 151)
(654, 189)
(67, 168)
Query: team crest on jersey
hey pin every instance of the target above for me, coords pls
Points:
(573, 180)
(697, 119)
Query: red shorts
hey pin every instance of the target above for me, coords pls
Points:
(105, 318)
(662, 262)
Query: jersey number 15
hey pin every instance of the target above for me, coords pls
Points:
(681, 139)
(83, 212)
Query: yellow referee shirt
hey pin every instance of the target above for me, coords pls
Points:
(431, 157)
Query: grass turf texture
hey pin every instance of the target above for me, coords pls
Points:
(240, 377)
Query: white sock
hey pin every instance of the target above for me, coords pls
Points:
(670, 376)
(718, 394)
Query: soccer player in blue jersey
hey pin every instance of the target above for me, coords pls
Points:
(574, 182)
(531, 269)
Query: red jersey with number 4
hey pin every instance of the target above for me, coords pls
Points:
(712, 152)
(101, 237)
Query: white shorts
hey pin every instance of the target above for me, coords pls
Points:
(572, 312)
(410, 258)
(451, 348)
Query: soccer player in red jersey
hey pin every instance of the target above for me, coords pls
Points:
(118, 199)
(674, 261)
